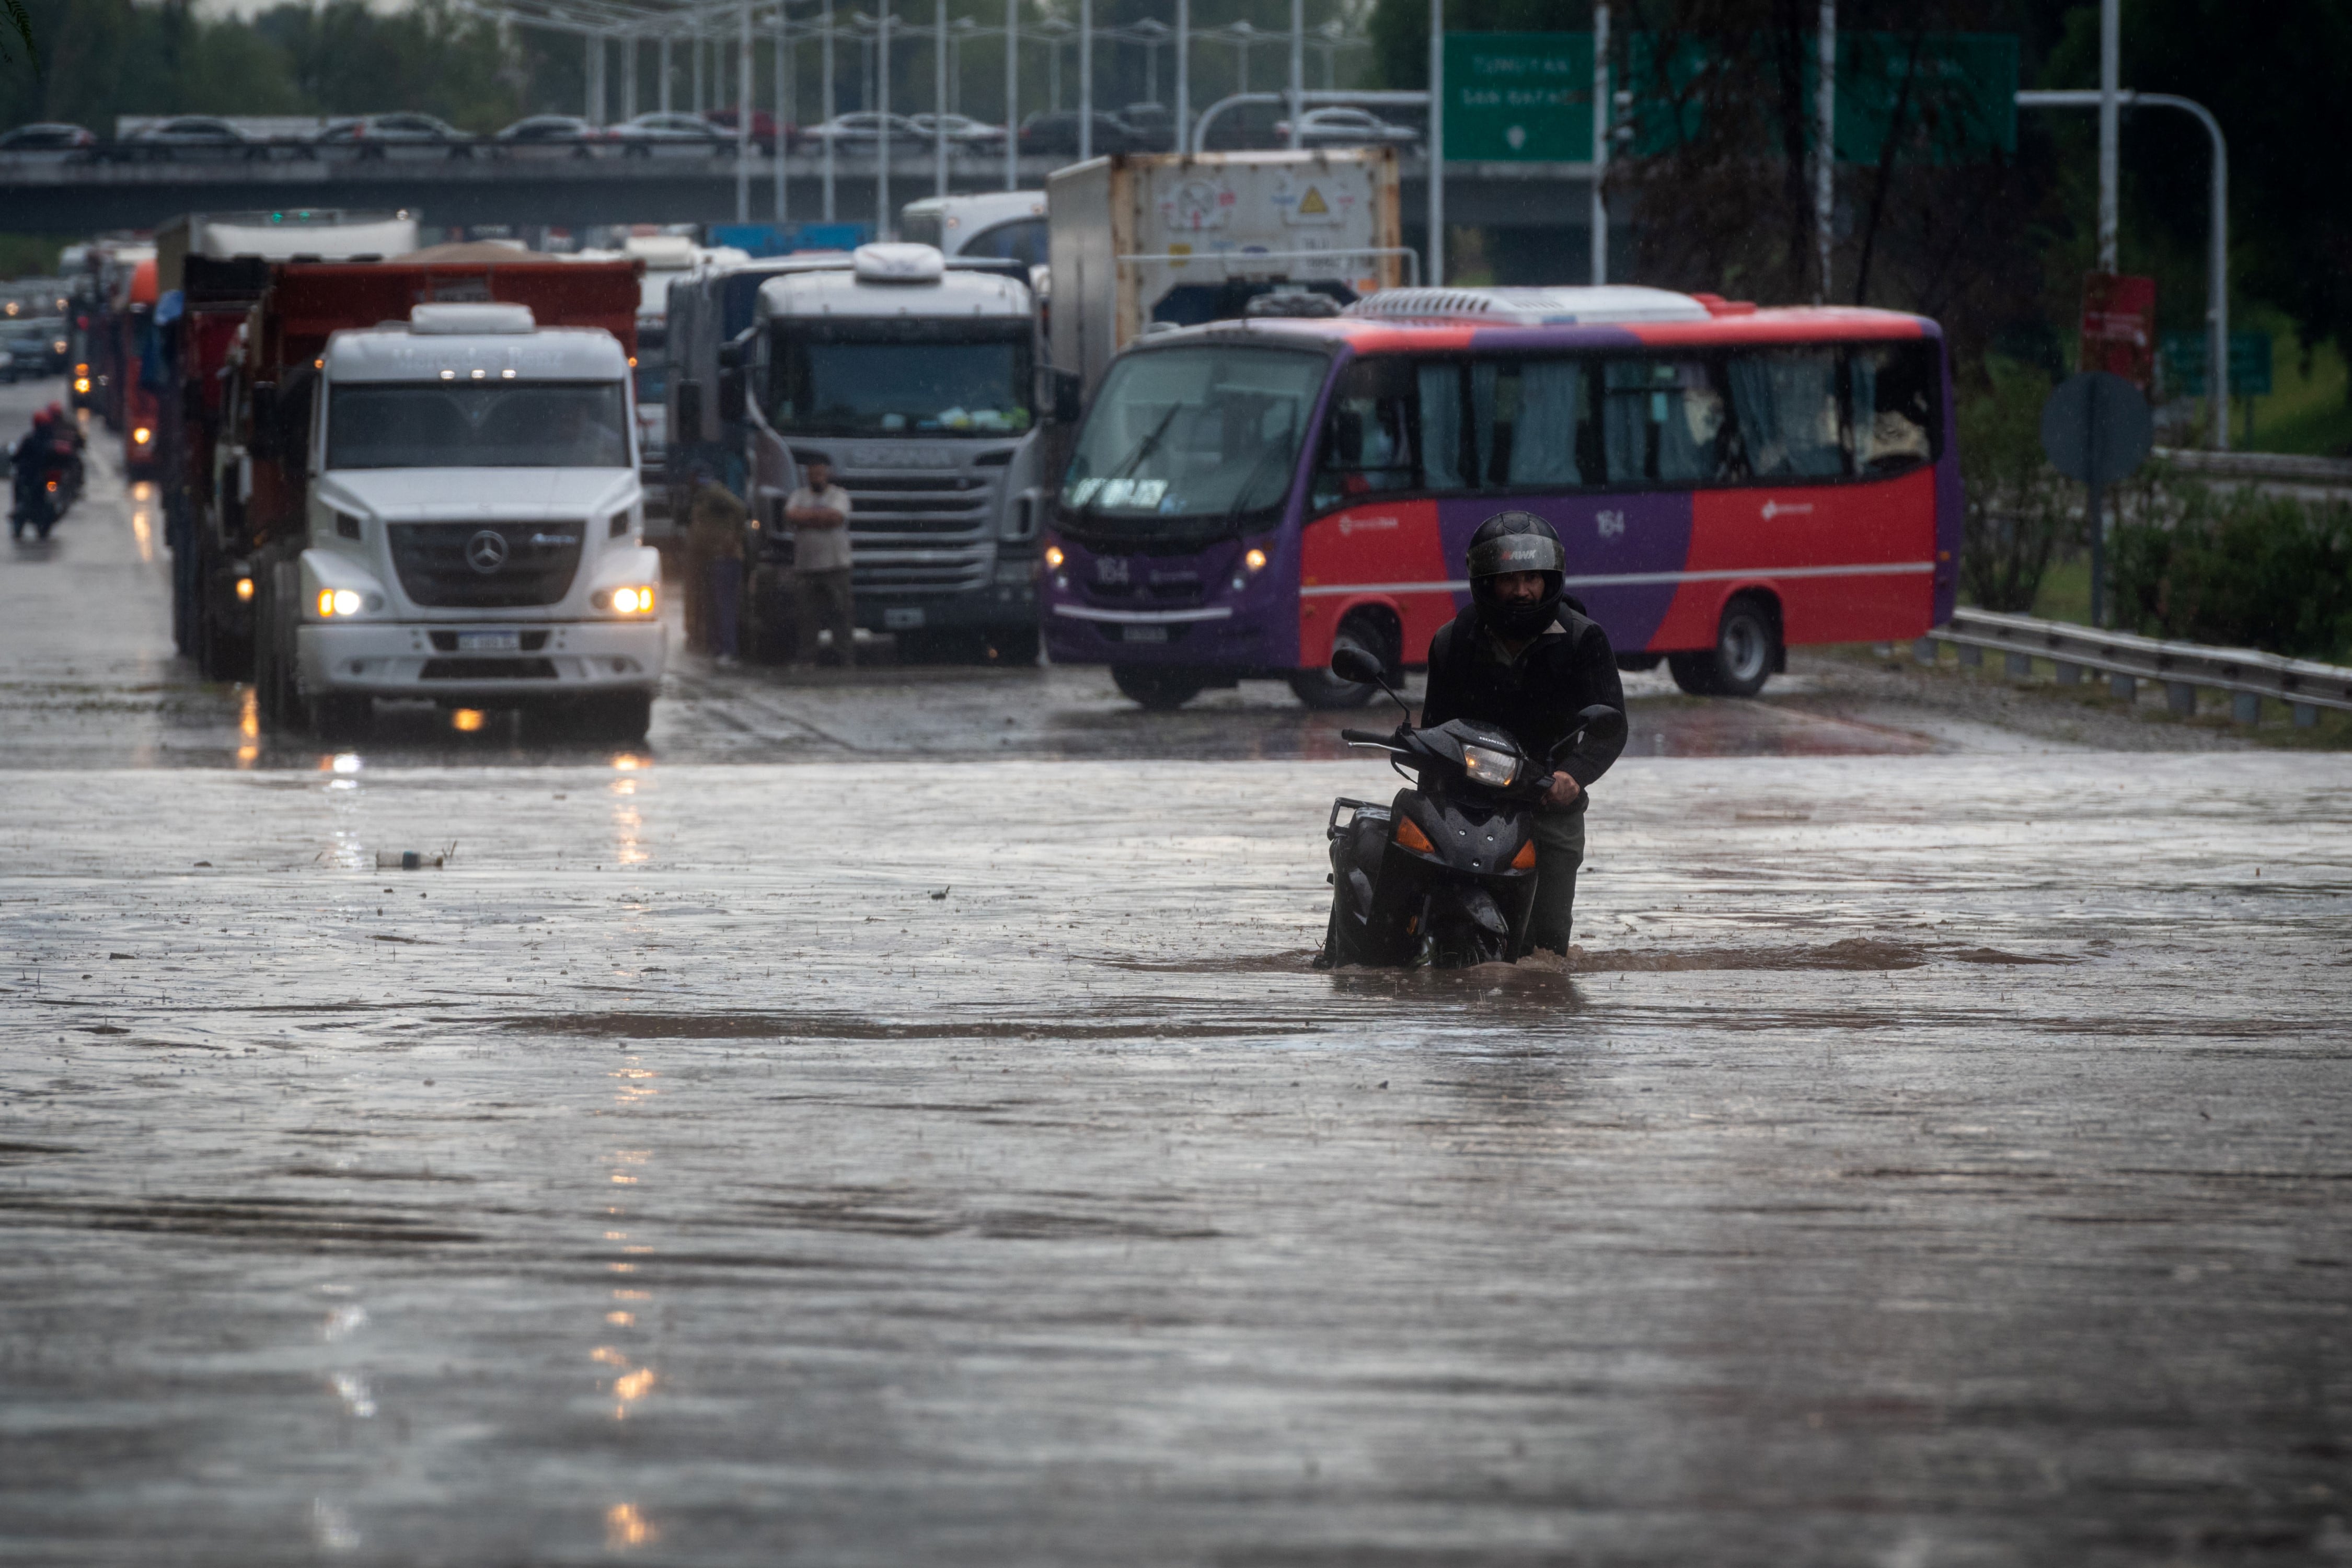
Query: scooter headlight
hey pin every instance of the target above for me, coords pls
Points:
(1488, 766)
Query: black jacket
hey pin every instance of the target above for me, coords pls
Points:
(1537, 696)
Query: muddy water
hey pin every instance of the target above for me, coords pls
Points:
(1934, 1160)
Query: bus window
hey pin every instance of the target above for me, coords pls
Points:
(1896, 418)
(1370, 435)
(1542, 419)
(1663, 419)
(1446, 463)
(1787, 404)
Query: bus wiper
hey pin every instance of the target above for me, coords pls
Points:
(1248, 481)
(1143, 449)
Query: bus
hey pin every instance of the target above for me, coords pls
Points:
(1728, 481)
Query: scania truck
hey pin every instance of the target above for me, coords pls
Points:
(917, 376)
(448, 494)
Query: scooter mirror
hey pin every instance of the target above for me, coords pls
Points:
(1349, 662)
(1598, 722)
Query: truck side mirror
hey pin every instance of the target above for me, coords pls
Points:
(731, 357)
(262, 418)
(686, 411)
(730, 392)
(1066, 390)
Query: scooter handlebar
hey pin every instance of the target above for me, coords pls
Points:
(1366, 737)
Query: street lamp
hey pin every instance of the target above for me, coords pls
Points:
(1151, 33)
(1057, 30)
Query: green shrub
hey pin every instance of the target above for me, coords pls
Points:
(2240, 568)
(2020, 511)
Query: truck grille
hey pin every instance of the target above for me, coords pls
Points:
(920, 534)
(486, 565)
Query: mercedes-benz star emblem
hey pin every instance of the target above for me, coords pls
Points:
(486, 550)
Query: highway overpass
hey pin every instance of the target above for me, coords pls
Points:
(88, 199)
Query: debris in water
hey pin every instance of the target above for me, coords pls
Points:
(943, 892)
(406, 860)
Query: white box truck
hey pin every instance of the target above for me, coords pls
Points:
(1181, 239)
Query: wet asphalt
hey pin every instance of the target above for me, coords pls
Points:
(889, 1119)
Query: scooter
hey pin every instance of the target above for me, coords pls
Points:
(1444, 874)
(41, 501)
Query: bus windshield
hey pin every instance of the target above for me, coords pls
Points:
(852, 377)
(1180, 435)
(502, 425)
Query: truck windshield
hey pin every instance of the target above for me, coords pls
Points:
(872, 377)
(1181, 435)
(501, 425)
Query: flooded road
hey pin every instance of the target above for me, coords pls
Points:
(887, 1152)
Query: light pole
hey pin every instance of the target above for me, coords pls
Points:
(1298, 72)
(744, 115)
(629, 75)
(783, 106)
(883, 227)
(824, 88)
(939, 98)
(661, 63)
(1057, 30)
(1011, 95)
(1436, 142)
(1151, 33)
(1086, 79)
(1825, 151)
(1602, 131)
(1331, 33)
(2111, 65)
(1183, 75)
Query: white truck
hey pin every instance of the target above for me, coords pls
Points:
(475, 528)
(1178, 240)
(916, 377)
(1007, 224)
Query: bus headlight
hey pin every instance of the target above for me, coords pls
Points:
(1053, 557)
(1255, 559)
(333, 602)
(81, 384)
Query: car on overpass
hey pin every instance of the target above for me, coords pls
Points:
(665, 134)
(387, 136)
(48, 143)
(1055, 132)
(549, 136)
(962, 132)
(859, 131)
(1346, 128)
(763, 129)
(192, 138)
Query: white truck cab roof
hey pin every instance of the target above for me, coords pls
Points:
(891, 281)
(474, 342)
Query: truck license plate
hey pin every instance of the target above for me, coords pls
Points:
(1146, 634)
(489, 642)
(901, 620)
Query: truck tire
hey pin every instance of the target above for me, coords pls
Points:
(342, 715)
(1012, 650)
(1157, 688)
(616, 718)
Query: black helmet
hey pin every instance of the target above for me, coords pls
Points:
(1517, 542)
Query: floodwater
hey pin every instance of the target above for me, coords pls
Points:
(875, 1157)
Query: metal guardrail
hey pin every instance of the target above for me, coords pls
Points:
(2127, 659)
(2273, 468)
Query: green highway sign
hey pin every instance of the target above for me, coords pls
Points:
(1519, 98)
(1528, 97)
(2249, 364)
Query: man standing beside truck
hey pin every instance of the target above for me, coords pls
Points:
(822, 595)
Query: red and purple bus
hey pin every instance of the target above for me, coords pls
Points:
(1728, 481)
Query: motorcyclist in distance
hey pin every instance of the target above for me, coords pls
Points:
(28, 460)
(1525, 657)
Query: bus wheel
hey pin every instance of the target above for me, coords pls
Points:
(1156, 687)
(1319, 689)
(1747, 647)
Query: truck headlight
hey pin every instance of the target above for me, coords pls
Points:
(141, 435)
(636, 599)
(333, 602)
